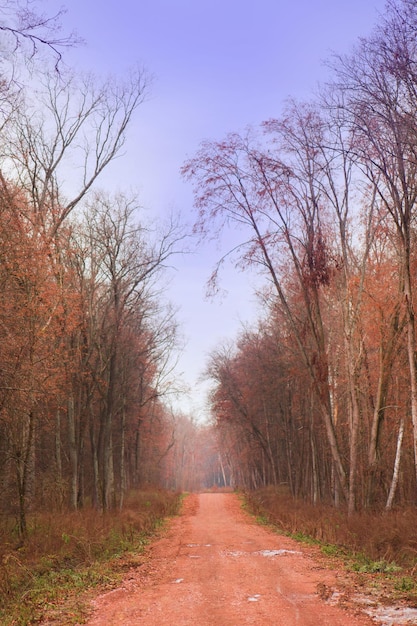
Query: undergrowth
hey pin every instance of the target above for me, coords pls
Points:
(388, 536)
(376, 544)
(66, 553)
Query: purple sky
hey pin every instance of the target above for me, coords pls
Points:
(218, 66)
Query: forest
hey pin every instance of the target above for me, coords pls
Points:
(320, 397)
(88, 341)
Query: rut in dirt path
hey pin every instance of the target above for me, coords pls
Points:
(215, 566)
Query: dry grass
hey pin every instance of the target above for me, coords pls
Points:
(390, 537)
(64, 552)
(377, 551)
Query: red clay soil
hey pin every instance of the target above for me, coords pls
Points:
(215, 565)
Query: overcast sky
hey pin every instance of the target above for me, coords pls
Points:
(218, 66)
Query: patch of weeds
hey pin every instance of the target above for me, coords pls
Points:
(244, 502)
(331, 550)
(302, 538)
(245, 505)
(367, 566)
(405, 583)
(159, 523)
(66, 538)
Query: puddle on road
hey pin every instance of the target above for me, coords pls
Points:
(269, 553)
(265, 553)
(395, 615)
(234, 553)
(254, 598)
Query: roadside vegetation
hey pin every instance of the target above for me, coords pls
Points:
(67, 555)
(380, 548)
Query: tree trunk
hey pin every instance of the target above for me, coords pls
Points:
(396, 472)
(23, 463)
(107, 457)
(58, 456)
(411, 336)
(354, 426)
(122, 461)
(73, 456)
(95, 496)
(315, 477)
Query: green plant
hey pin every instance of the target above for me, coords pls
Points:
(406, 583)
(331, 550)
(367, 566)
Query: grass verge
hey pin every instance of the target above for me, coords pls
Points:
(65, 555)
(378, 549)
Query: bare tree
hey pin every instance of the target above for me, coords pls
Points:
(379, 87)
(130, 339)
(69, 129)
(275, 196)
(28, 30)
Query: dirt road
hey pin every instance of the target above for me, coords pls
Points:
(215, 566)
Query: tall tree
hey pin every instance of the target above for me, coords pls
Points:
(127, 267)
(275, 196)
(379, 87)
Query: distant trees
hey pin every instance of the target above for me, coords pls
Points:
(325, 199)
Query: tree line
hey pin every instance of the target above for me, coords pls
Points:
(86, 336)
(322, 396)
